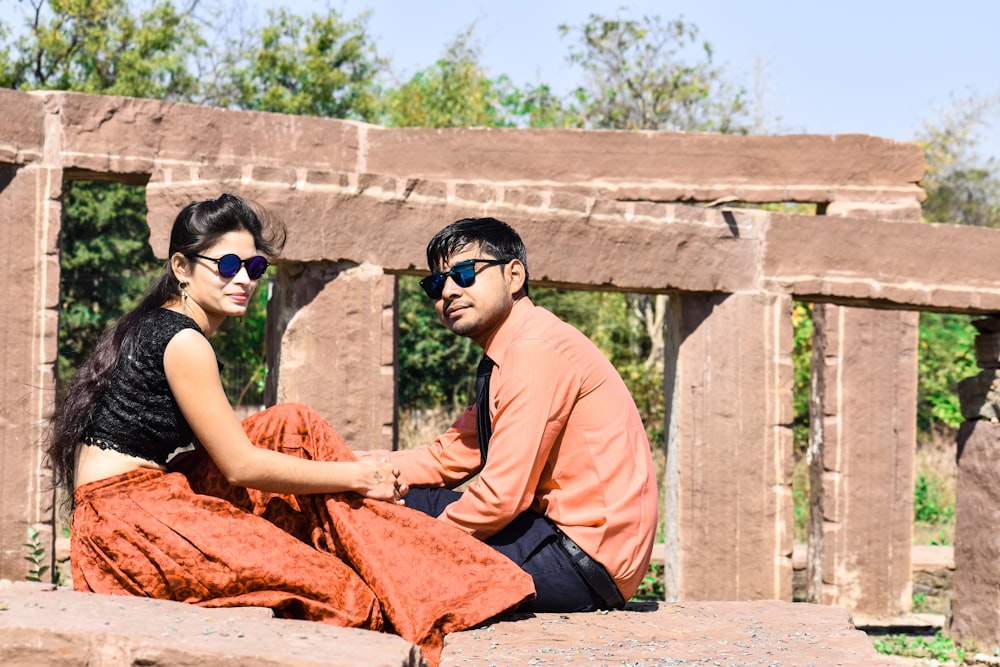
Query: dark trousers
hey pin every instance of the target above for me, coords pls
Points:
(530, 540)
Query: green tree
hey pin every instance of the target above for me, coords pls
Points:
(962, 188)
(454, 92)
(316, 66)
(647, 74)
(106, 228)
(102, 46)
(457, 91)
(946, 355)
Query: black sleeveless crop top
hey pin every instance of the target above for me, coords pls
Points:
(137, 414)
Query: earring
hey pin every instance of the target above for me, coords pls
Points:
(184, 297)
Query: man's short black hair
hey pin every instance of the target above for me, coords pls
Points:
(494, 238)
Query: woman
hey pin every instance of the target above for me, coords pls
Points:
(273, 512)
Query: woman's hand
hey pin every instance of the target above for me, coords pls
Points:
(380, 481)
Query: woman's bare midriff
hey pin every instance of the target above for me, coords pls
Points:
(94, 463)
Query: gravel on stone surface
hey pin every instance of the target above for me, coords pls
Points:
(41, 625)
(651, 634)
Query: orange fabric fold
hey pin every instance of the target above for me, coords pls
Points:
(190, 536)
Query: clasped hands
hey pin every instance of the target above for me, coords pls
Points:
(382, 481)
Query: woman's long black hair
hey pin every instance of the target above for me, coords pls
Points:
(197, 227)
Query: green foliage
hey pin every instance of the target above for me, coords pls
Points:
(103, 46)
(652, 586)
(802, 334)
(932, 503)
(240, 344)
(946, 355)
(800, 501)
(639, 77)
(35, 556)
(535, 106)
(436, 367)
(105, 260)
(320, 66)
(961, 187)
(454, 92)
(457, 92)
(940, 648)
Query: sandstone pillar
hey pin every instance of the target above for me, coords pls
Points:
(869, 433)
(975, 593)
(728, 387)
(29, 272)
(331, 346)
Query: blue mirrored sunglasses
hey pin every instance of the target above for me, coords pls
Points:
(229, 265)
(463, 273)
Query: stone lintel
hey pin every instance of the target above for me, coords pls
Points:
(118, 135)
(876, 263)
(124, 135)
(23, 133)
(613, 161)
(642, 247)
(645, 247)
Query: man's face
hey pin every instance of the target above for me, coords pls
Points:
(477, 310)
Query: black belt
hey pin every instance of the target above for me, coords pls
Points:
(592, 571)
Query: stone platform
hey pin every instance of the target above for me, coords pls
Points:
(42, 626)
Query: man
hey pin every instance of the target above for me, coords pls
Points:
(566, 486)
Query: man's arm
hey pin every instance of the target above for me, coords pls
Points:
(534, 394)
(446, 462)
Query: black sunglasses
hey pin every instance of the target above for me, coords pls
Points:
(229, 265)
(463, 273)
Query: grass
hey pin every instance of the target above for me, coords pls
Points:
(35, 554)
(934, 493)
(940, 648)
(935, 473)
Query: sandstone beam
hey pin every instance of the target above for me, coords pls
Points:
(22, 131)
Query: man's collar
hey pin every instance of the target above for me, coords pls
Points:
(498, 343)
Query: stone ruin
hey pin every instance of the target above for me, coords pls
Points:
(651, 212)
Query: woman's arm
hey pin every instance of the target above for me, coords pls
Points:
(193, 374)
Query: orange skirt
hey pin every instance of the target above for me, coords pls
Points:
(190, 536)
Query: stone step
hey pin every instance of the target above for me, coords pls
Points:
(44, 626)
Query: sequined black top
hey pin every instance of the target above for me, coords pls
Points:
(137, 414)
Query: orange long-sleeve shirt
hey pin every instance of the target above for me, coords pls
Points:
(567, 442)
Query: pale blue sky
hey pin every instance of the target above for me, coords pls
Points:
(877, 67)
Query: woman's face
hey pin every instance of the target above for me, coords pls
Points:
(209, 293)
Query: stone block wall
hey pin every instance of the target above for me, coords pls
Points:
(29, 269)
(643, 211)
